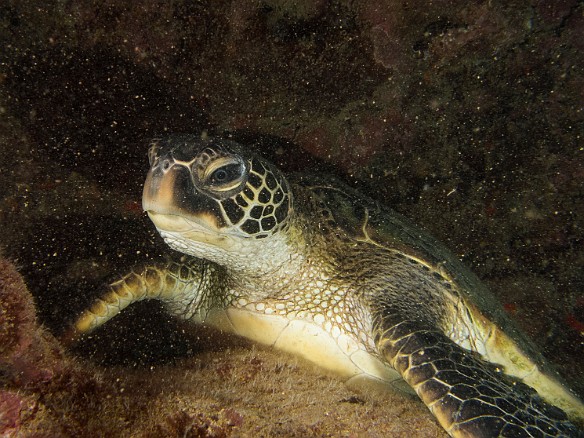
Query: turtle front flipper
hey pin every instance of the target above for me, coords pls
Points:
(468, 396)
(183, 287)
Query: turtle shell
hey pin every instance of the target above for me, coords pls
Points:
(496, 337)
(361, 218)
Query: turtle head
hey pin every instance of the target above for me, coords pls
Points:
(211, 198)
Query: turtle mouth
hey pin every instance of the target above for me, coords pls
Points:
(200, 229)
(192, 236)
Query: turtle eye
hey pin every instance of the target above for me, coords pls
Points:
(224, 177)
(224, 174)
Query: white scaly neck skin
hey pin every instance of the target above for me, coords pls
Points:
(248, 260)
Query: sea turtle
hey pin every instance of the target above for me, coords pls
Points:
(313, 267)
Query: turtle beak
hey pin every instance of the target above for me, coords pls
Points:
(182, 215)
(157, 191)
(160, 189)
(171, 200)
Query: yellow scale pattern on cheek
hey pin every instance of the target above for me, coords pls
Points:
(264, 202)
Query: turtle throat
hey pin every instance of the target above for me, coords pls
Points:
(271, 257)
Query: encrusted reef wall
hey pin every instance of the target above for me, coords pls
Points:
(42, 391)
(467, 117)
